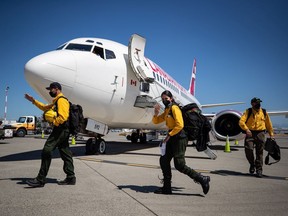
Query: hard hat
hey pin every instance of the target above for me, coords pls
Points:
(49, 115)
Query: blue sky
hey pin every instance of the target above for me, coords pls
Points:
(241, 46)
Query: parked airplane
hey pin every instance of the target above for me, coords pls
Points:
(116, 85)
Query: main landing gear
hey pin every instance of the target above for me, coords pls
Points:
(135, 135)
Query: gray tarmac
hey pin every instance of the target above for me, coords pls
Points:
(122, 181)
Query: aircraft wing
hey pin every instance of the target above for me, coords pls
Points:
(271, 113)
(220, 104)
(278, 113)
(211, 115)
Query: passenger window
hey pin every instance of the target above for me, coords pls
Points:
(110, 54)
(98, 51)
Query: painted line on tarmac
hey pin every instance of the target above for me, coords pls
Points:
(144, 165)
(120, 163)
(131, 164)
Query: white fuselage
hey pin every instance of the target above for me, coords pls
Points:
(105, 85)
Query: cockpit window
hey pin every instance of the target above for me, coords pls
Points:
(98, 51)
(80, 47)
(110, 54)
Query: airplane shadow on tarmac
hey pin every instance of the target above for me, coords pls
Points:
(112, 148)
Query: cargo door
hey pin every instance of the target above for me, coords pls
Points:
(136, 58)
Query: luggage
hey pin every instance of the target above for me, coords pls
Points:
(273, 150)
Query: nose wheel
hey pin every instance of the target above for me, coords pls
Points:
(95, 145)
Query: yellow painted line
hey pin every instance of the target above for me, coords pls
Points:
(91, 159)
(143, 165)
(203, 171)
(120, 163)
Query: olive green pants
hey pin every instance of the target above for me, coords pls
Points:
(175, 148)
(257, 141)
(58, 138)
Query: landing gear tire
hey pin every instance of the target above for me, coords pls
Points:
(134, 137)
(143, 138)
(95, 145)
(137, 135)
(102, 146)
(91, 146)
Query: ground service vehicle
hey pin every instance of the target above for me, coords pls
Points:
(24, 125)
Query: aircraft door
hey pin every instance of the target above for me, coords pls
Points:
(136, 58)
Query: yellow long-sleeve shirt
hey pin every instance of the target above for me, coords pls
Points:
(174, 123)
(62, 108)
(256, 122)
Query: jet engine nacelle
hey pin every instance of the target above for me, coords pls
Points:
(226, 123)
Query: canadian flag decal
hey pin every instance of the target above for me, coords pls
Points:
(133, 82)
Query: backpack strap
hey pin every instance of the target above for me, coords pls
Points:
(170, 109)
(59, 98)
(267, 160)
(250, 112)
(56, 103)
(66, 123)
(264, 112)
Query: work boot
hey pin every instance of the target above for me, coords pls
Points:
(166, 189)
(259, 174)
(204, 181)
(68, 181)
(251, 169)
(35, 183)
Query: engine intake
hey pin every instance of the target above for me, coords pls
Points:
(226, 123)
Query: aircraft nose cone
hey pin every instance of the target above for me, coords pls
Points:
(55, 66)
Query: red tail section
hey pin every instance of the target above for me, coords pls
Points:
(193, 79)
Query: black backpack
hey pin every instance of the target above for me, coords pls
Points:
(75, 117)
(273, 150)
(196, 125)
